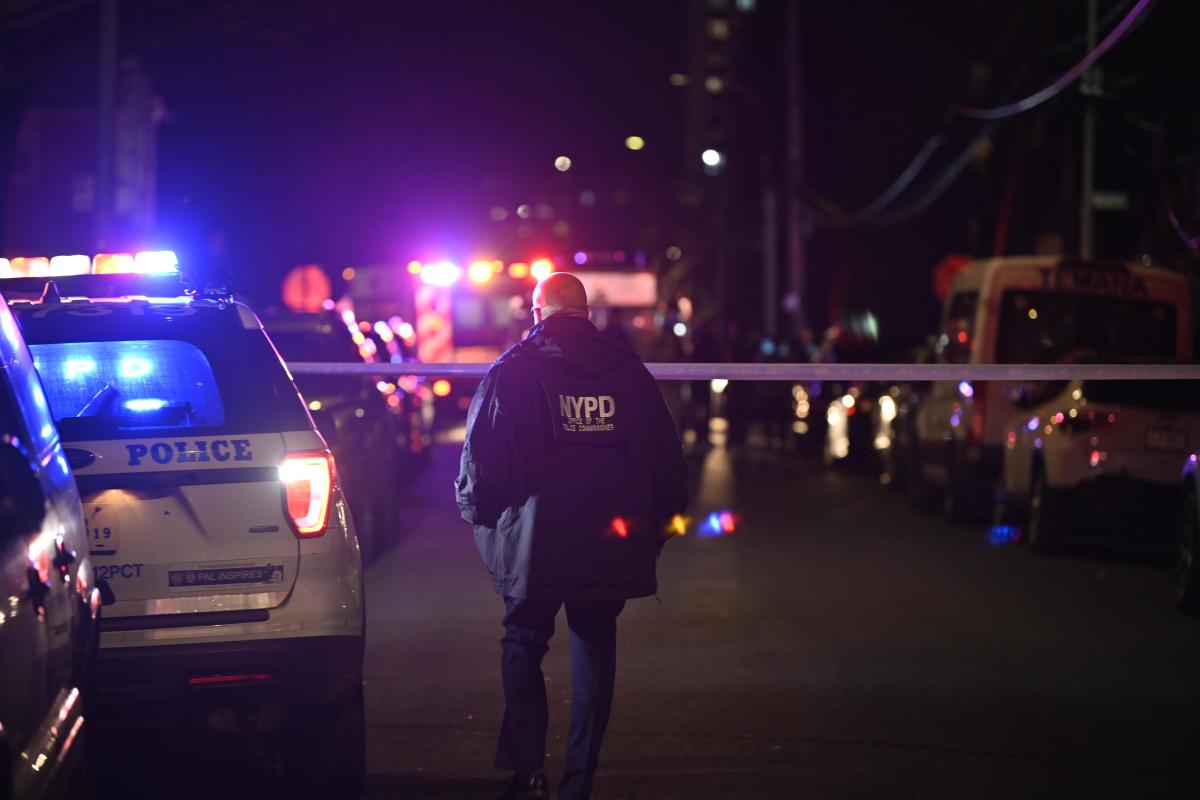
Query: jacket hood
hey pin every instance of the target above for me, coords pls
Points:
(573, 344)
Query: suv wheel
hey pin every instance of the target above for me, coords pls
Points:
(1047, 518)
(326, 752)
(1187, 548)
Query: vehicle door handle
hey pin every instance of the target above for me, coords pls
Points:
(79, 458)
(38, 589)
(64, 557)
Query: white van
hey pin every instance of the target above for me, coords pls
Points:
(1032, 310)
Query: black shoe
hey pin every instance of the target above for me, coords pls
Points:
(527, 786)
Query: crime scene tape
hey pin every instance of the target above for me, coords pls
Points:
(810, 372)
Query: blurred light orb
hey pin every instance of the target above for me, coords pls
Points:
(541, 269)
(718, 385)
(348, 274)
(479, 271)
(580, 257)
(714, 85)
(635, 142)
(562, 163)
(679, 329)
(679, 79)
(712, 158)
(561, 229)
(414, 268)
(498, 213)
(524, 211)
(674, 253)
(587, 198)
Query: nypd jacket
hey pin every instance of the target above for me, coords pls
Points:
(572, 468)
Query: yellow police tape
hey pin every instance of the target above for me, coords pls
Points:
(810, 372)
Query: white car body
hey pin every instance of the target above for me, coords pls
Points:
(1019, 310)
(1099, 448)
(216, 588)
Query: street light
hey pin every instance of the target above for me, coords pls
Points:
(713, 161)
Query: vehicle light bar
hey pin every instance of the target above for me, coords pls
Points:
(146, 262)
(307, 480)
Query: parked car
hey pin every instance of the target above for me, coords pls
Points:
(1099, 459)
(384, 430)
(1031, 310)
(49, 620)
(218, 518)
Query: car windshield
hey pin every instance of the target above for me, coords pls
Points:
(1052, 327)
(138, 371)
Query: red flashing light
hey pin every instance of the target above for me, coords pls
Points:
(620, 527)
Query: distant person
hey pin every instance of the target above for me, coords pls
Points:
(571, 472)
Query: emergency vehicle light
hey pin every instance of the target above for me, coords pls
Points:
(480, 271)
(307, 480)
(146, 262)
(541, 269)
(440, 273)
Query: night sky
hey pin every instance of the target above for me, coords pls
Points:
(375, 132)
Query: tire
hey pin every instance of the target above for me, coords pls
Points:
(1049, 521)
(85, 782)
(1187, 551)
(325, 756)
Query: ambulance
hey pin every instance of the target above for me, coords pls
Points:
(976, 441)
(215, 515)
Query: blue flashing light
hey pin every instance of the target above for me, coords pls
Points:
(999, 535)
(145, 404)
(966, 389)
(155, 262)
(77, 367)
(135, 368)
(711, 526)
(1033, 424)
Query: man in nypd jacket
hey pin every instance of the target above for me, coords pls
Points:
(570, 474)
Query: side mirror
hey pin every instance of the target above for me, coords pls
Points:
(22, 501)
(326, 424)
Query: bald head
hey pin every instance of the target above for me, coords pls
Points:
(561, 293)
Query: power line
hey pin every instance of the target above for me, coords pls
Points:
(1069, 77)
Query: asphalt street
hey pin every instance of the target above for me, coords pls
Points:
(838, 644)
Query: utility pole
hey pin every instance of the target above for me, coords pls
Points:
(1090, 87)
(106, 107)
(797, 216)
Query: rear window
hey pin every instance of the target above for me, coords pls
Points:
(1157, 395)
(1053, 327)
(129, 385)
(133, 371)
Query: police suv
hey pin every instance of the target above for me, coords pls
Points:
(215, 515)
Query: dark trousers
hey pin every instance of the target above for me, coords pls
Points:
(529, 624)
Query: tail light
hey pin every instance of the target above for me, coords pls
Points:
(1088, 422)
(307, 480)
